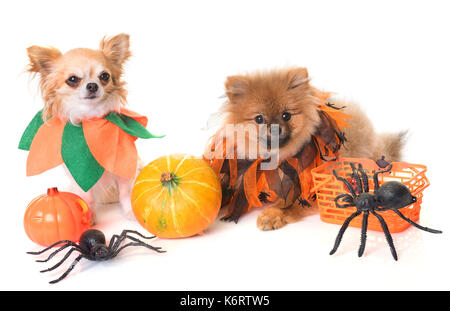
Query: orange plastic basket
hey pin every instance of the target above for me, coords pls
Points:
(327, 187)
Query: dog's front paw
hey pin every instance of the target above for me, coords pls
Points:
(127, 210)
(93, 220)
(271, 219)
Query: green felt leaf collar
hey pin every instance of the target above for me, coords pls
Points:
(130, 125)
(30, 131)
(78, 158)
(75, 152)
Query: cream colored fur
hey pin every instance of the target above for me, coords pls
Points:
(363, 141)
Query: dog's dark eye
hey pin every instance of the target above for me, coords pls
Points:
(259, 119)
(73, 81)
(286, 116)
(104, 77)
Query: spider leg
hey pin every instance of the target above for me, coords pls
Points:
(116, 240)
(136, 243)
(363, 234)
(113, 240)
(125, 232)
(348, 198)
(61, 261)
(365, 179)
(54, 253)
(342, 230)
(53, 245)
(387, 234)
(346, 183)
(375, 176)
(116, 252)
(356, 177)
(415, 224)
(157, 249)
(77, 260)
(114, 244)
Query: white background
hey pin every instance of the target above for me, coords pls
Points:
(392, 57)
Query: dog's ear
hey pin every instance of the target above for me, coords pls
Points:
(297, 77)
(42, 59)
(116, 49)
(236, 87)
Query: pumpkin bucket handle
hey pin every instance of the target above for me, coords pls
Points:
(85, 209)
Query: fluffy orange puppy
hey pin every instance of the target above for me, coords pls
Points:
(286, 99)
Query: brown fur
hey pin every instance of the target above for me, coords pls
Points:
(364, 142)
(270, 94)
(288, 90)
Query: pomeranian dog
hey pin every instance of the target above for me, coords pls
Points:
(83, 84)
(286, 99)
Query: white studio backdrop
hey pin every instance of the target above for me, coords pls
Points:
(391, 57)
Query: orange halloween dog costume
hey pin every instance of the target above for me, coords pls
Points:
(246, 185)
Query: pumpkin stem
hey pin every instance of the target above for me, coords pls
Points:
(52, 191)
(166, 176)
(169, 180)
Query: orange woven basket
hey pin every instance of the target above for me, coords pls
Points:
(327, 188)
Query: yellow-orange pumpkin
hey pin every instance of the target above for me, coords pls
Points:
(56, 216)
(176, 196)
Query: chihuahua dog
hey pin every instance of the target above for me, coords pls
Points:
(83, 84)
(286, 99)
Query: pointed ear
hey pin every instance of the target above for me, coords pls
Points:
(236, 86)
(298, 77)
(116, 49)
(42, 59)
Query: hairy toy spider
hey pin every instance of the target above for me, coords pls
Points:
(93, 246)
(392, 195)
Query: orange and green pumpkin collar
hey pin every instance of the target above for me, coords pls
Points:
(87, 149)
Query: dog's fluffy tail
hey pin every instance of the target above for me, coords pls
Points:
(364, 142)
(389, 145)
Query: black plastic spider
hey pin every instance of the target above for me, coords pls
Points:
(93, 246)
(392, 195)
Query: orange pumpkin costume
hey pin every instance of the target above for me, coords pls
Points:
(246, 185)
(87, 149)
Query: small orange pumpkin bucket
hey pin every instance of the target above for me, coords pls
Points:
(56, 216)
(327, 188)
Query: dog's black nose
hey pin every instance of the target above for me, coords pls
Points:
(92, 87)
